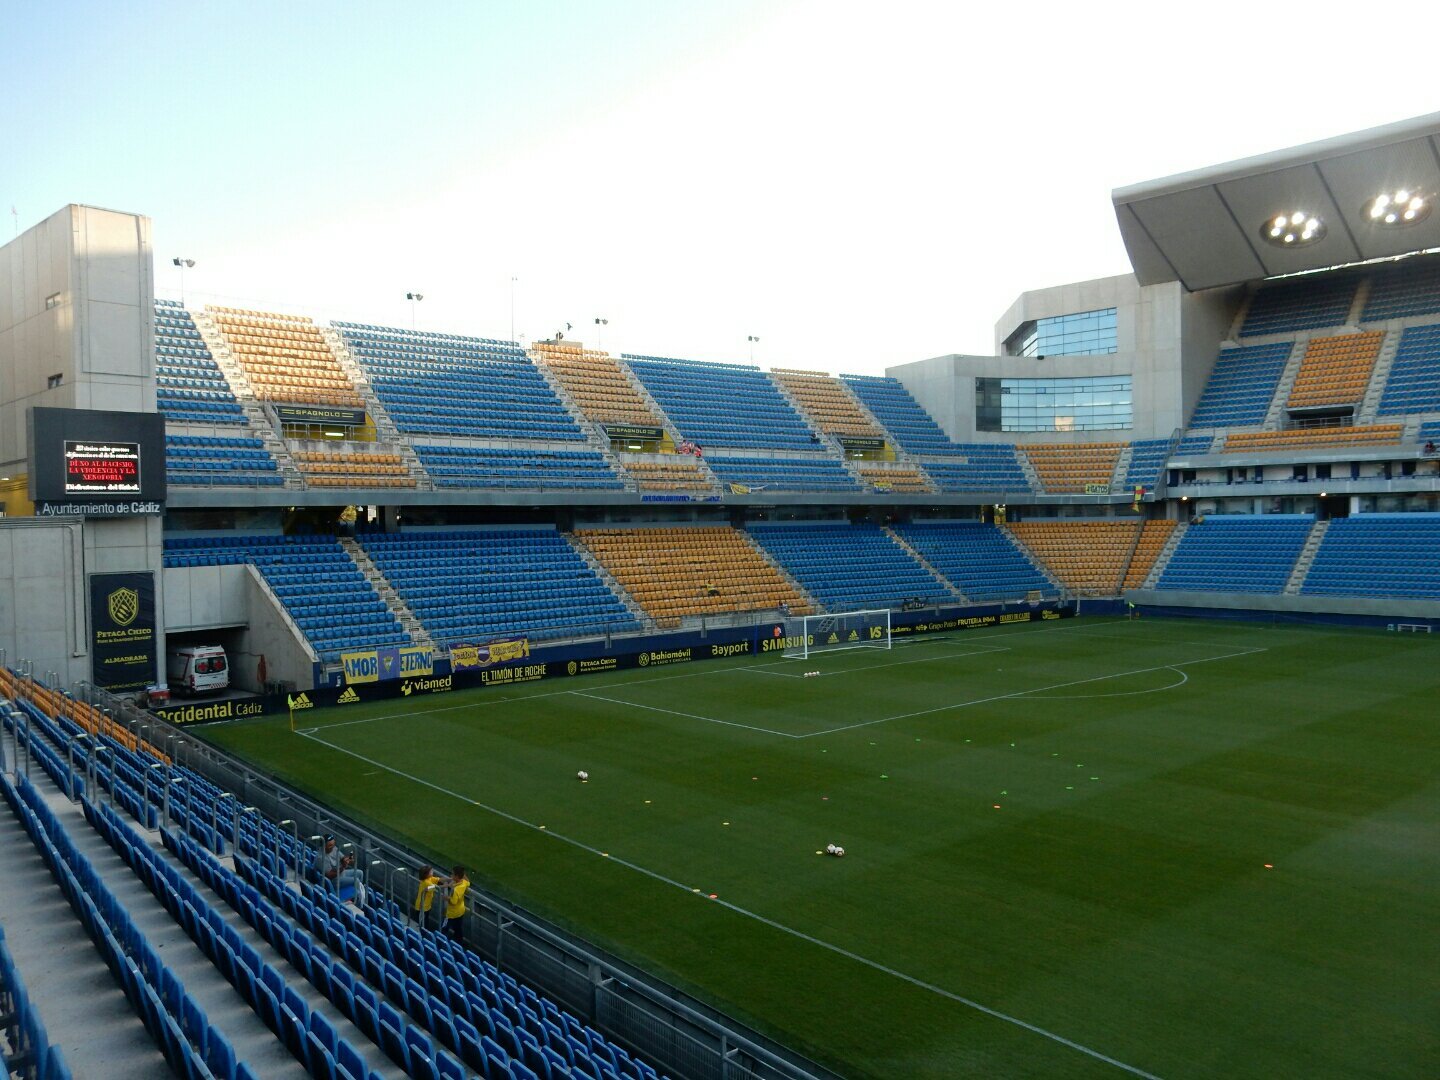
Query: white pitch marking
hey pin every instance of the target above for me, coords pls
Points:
(1184, 678)
(690, 716)
(746, 913)
(762, 670)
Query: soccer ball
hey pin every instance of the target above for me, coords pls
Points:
(839, 851)
(582, 776)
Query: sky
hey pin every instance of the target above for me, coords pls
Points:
(856, 185)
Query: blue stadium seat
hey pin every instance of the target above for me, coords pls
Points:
(849, 566)
(723, 405)
(982, 560)
(1237, 553)
(1382, 555)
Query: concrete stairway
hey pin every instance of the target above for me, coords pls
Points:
(1275, 414)
(1031, 476)
(611, 582)
(1166, 553)
(1369, 408)
(1122, 466)
(1306, 558)
(393, 600)
(816, 607)
(950, 586)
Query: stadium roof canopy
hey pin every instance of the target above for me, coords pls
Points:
(1214, 226)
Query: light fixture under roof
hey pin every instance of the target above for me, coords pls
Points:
(1398, 208)
(1292, 229)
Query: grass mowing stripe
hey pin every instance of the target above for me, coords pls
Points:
(686, 715)
(745, 912)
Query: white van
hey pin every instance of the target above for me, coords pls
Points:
(197, 669)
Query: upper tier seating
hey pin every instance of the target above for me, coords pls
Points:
(219, 461)
(1378, 555)
(910, 425)
(524, 468)
(672, 473)
(1239, 553)
(443, 384)
(1338, 438)
(826, 402)
(783, 474)
(1414, 382)
(674, 573)
(285, 358)
(982, 560)
(319, 584)
(1088, 557)
(1241, 385)
(848, 567)
(597, 383)
(1306, 303)
(901, 479)
(1068, 467)
(989, 467)
(353, 468)
(1147, 461)
(190, 388)
(731, 405)
(1153, 537)
(1407, 290)
(479, 585)
(1335, 370)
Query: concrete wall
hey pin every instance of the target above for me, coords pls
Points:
(1381, 608)
(201, 597)
(287, 657)
(42, 596)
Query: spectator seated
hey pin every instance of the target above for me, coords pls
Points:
(190, 388)
(285, 358)
(518, 468)
(1241, 385)
(475, 586)
(1147, 462)
(826, 402)
(1414, 382)
(219, 461)
(680, 572)
(783, 474)
(988, 467)
(1386, 555)
(1339, 438)
(596, 383)
(667, 473)
(1237, 553)
(1153, 538)
(982, 561)
(353, 468)
(905, 421)
(1335, 370)
(1306, 303)
(901, 479)
(849, 567)
(444, 384)
(1069, 467)
(1087, 557)
(731, 405)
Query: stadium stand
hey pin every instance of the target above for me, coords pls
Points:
(26, 1046)
(597, 384)
(1069, 467)
(847, 567)
(1411, 289)
(1241, 385)
(219, 461)
(444, 384)
(478, 585)
(1429, 432)
(825, 401)
(674, 473)
(352, 468)
(284, 358)
(988, 467)
(1307, 303)
(1414, 382)
(730, 405)
(910, 425)
(319, 584)
(190, 388)
(901, 479)
(1335, 370)
(517, 468)
(1147, 461)
(1237, 553)
(1312, 437)
(1194, 445)
(814, 473)
(681, 572)
(1087, 557)
(1389, 555)
(1153, 537)
(981, 560)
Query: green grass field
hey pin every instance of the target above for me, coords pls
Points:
(1057, 835)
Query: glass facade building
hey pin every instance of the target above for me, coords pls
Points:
(1087, 403)
(1086, 333)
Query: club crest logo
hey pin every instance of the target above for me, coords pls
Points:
(124, 605)
(572, 667)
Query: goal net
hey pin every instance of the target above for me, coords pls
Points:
(810, 634)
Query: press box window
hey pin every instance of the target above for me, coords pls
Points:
(53, 300)
(1085, 333)
(54, 381)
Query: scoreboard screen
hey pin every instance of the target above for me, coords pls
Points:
(102, 468)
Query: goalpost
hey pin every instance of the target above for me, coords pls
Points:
(806, 635)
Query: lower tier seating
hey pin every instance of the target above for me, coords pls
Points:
(25, 1043)
(517, 467)
(1390, 555)
(850, 567)
(1153, 538)
(1239, 553)
(674, 573)
(475, 586)
(1088, 557)
(981, 560)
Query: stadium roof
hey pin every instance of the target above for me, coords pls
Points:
(1213, 227)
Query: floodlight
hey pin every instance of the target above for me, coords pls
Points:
(1396, 209)
(1293, 228)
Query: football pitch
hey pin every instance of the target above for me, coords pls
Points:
(1090, 848)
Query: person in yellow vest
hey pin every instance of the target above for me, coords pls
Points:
(425, 894)
(455, 902)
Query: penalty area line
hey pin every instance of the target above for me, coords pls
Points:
(655, 875)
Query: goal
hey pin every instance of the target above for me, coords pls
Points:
(807, 635)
